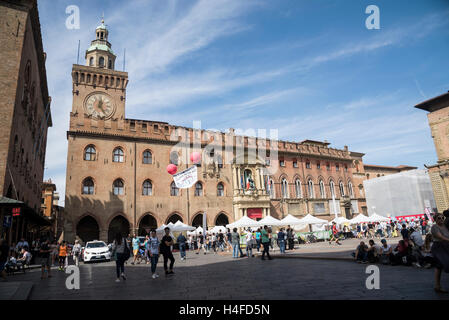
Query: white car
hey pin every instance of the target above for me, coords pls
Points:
(96, 251)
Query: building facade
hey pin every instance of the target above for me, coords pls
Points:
(24, 114)
(438, 117)
(116, 167)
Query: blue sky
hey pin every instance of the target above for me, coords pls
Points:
(310, 69)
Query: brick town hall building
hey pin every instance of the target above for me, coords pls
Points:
(116, 167)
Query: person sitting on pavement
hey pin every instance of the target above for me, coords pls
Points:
(361, 253)
(429, 260)
(402, 253)
(25, 258)
(386, 252)
(416, 243)
(373, 255)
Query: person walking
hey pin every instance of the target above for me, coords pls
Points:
(290, 239)
(249, 243)
(229, 240)
(440, 250)
(200, 243)
(265, 243)
(214, 242)
(62, 255)
(281, 240)
(44, 253)
(221, 241)
(154, 244)
(258, 239)
(136, 246)
(76, 252)
(146, 246)
(165, 248)
(181, 240)
(121, 253)
(235, 241)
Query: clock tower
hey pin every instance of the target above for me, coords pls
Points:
(99, 91)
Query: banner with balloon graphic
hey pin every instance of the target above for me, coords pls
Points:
(186, 178)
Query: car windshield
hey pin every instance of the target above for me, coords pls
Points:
(96, 245)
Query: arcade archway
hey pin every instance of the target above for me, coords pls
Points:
(87, 229)
(118, 225)
(198, 220)
(147, 223)
(221, 220)
(174, 218)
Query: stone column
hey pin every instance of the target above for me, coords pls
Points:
(236, 183)
(103, 235)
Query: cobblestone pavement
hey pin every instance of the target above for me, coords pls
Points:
(221, 277)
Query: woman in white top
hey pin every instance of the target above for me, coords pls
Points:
(249, 243)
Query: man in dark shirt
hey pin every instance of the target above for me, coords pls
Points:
(221, 241)
(165, 248)
(44, 253)
(404, 232)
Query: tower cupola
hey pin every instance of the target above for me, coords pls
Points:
(100, 54)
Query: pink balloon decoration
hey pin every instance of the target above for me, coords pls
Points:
(171, 168)
(195, 157)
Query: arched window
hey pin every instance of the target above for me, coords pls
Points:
(147, 188)
(342, 189)
(91, 61)
(174, 191)
(90, 153)
(310, 185)
(101, 62)
(88, 186)
(284, 188)
(272, 190)
(174, 158)
(118, 155)
(220, 189)
(332, 187)
(110, 64)
(322, 190)
(298, 188)
(198, 189)
(219, 161)
(147, 157)
(118, 187)
(351, 190)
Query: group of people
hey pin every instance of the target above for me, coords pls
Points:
(412, 249)
(391, 229)
(121, 252)
(43, 251)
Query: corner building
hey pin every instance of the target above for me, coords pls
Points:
(116, 167)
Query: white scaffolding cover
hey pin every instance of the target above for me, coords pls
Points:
(399, 194)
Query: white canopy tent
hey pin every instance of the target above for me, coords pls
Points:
(339, 220)
(359, 219)
(244, 222)
(291, 221)
(309, 219)
(269, 221)
(218, 229)
(378, 218)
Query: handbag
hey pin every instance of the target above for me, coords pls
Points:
(126, 252)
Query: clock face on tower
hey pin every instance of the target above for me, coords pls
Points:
(99, 105)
